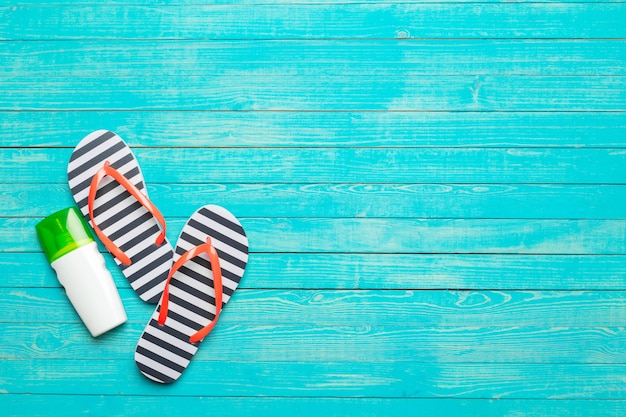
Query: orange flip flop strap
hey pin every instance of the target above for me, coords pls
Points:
(217, 285)
(107, 169)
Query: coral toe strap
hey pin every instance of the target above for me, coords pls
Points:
(107, 169)
(209, 249)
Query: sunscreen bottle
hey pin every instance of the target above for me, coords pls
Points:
(73, 254)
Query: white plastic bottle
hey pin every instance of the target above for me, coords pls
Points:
(73, 254)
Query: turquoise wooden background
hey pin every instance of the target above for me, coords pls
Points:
(435, 195)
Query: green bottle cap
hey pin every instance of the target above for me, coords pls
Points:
(62, 232)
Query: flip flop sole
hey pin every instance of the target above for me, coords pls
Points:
(119, 215)
(164, 351)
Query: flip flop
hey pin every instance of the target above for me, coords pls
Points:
(108, 187)
(210, 258)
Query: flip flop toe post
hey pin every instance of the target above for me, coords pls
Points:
(109, 189)
(210, 257)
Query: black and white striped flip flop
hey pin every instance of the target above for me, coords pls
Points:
(108, 187)
(210, 257)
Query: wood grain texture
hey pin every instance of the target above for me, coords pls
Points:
(275, 309)
(123, 405)
(316, 235)
(332, 379)
(327, 344)
(206, 129)
(380, 58)
(315, 21)
(301, 93)
(277, 2)
(377, 271)
(469, 201)
(343, 165)
(433, 192)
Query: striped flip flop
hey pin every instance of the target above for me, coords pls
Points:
(210, 257)
(108, 187)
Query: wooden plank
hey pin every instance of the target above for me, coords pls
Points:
(275, 309)
(319, 129)
(377, 271)
(354, 200)
(304, 93)
(342, 165)
(124, 405)
(313, 235)
(382, 58)
(352, 379)
(315, 21)
(318, 343)
(276, 2)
